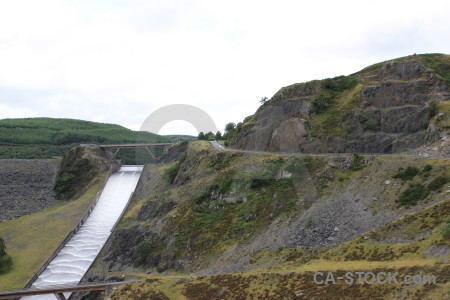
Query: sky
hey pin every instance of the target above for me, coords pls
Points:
(119, 61)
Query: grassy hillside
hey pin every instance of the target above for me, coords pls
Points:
(47, 137)
(438, 62)
(270, 221)
(31, 239)
(409, 246)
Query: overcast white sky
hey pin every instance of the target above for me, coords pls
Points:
(118, 61)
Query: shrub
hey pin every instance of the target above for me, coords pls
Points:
(371, 125)
(247, 119)
(363, 119)
(142, 251)
(445, 231)
(407, 174)
(438, 182)
(433, 109)
(331, 87)
(358, 162)
(413, 194)
(310, 223)
(283, 184)
(260, 182)
(172, 171)
(321, 103)
(427, 168)
(340, 83)
(439, 66)
(225, 185)
(290, 206)
(201, 197)
(5, 259)
(209, 219)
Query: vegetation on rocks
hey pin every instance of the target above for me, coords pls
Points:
(358, 163)
(78, 167)
(438, 182)
(224, 209)
(331, 89)
(353, 113)
(407, 174)
(419, 188)
(414, 193)
(374, 251)
(446, 230)
(172, 171)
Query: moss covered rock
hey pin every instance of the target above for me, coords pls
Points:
(79, 166)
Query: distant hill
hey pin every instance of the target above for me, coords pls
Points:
(180, 138)
(48, 137)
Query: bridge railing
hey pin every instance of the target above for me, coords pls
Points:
(58, 290)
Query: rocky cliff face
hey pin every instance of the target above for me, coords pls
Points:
(386, 108)
(78, 167)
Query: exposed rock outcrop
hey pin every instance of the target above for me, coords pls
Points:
(78, 167)
(387, 108)
(224, 206)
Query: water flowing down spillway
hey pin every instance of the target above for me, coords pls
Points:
(72, 262)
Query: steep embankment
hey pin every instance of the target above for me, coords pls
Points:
(414, 245)
(221, 211)
(389, 107)
(31, 239)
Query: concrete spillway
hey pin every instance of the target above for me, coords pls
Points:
(72, 262)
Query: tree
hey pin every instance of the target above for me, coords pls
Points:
(201, 136)
(5, 259)
(2, 247)
(230, 127)
(218, 135)
(238, 126)
(263, 100)
(210, 136)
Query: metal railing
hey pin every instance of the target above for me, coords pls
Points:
(58, 290)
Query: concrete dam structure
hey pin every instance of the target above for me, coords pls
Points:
(72, 262)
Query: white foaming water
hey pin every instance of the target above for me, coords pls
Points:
(72, 262)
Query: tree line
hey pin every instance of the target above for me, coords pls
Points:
(230, 133)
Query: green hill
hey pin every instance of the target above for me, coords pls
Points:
(174, 138)
(48, 137)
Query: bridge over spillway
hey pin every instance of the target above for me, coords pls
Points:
(148, 146)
